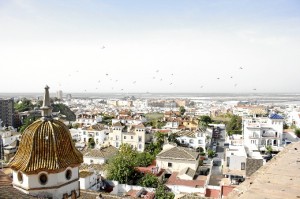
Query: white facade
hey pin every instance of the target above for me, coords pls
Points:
(56, 184)
(263, 131)
(293, 118)
(88, 181)
(99, 136)
(9, 136)
(236, 158)
(198, 140)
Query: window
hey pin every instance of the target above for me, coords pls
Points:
(124, 137)
(117, 144)
(169, 164)
(140, 146)
(20, 177)
(68, 174)
(84, 139)
(131, 137)
(243, 166)
(140, 138)
(91, 161)
(117, 137)
(199, 141)
(97, 134)
(191, 141)
(43, 179)
(84, 133)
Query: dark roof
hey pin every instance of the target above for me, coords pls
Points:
(276, 116)
(106, 152)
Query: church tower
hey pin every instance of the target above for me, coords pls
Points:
(46, 163)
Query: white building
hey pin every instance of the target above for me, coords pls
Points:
(236, 157)
(193, 139)
(98, 132)
(87, 179)
(263, 131)
(99, 156)
(8, 136)
(174, 159)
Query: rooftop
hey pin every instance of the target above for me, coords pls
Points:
(179, 153)
(174, 180)
(279, 178)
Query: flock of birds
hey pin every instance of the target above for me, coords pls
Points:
(156, 76)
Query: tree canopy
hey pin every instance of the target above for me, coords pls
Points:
(234, 125)
(149, 180)
(182, 110)
(161, 192)
(204, 120)
(23, 105)
(122, 167)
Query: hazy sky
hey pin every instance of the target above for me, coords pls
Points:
(186, 45)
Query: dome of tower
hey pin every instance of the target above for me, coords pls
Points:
(46, 145)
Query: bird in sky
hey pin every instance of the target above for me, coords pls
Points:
(157, 71)
(102, 47)
(218, 78)
(160, 79)
(201, 87)
(231, 77)
(235, 85)
(171, 83)
(254, 89)
(106, 74)
(98, 81)
(134, 82)
(172, 74)
(153, 77)
(241, 67)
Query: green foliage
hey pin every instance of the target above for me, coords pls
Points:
(172, 138)
(160, 138)
(285, 126)
(204, 120)
(65, 110)
(144, 159)
(25, 105)
(27, 121)
(91, 143)
(121, 167)
(234, 125)
(153, 148)
(149, 180)
(161, 192)
(211, 153)
(200, 149)
(269, 149)
(182, 110)
(297, 132)
(154, 116)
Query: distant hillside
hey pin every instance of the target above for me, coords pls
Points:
(64, 110)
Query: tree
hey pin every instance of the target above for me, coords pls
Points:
(64, 110)
(144, 159)
(182, 110)
(149, 180)
(173, 138)
(161, 192)
(23, 105)
(122, 167)
(91, 143)
(211, 153)
(269, 149)
(204, 120)
(160, 138)
(27, 121)
(297, 132)
(234, 125)
(153, 148)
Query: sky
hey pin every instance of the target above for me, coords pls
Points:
(199, 46)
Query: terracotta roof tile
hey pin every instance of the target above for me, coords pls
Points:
(174, 180)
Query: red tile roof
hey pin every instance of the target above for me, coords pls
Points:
(173, 180)
(212, 193)
(226, 190)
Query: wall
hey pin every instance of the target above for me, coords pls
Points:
(87, 182)
(235, 162)
(95, 160)
(177, 165)
(55, 179)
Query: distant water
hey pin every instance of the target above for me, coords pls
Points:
(276, 98)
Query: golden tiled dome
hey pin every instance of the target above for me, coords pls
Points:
(46, 145)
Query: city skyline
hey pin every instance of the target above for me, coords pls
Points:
(137, 47)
